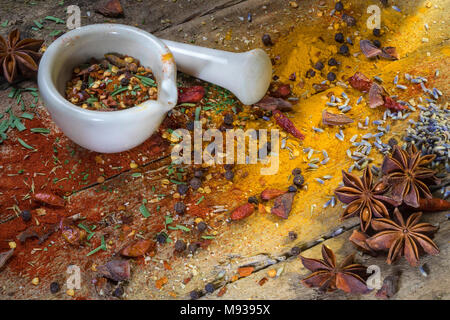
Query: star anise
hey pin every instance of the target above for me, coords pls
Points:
(19, 56)
(403, 239)
(407, 173)
(349, 276)
(363, 197)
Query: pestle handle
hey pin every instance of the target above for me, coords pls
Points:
(246, 74)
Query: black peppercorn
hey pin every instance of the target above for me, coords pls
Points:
(331, 76)
(295, 251)
(310, 73)
(339, 6)
(25, 215)
(299, 180)
(209, 288)
(344, 49)
(192, 247)
(180, 245)
(253, 200)
(377, 43)
(195, 183)
(229, 175)
(194, 295)
(182, 189)
(198, 173)
(296, 171)
(161, 237)
(228, 119)
(376, 32)
(118, 292)
(339, 37)
(180, 207)
(125, 81)
(292, 235)
(332, 62)
(318, 65)
(190, 125)
(267, 40)
(201, 226)
(54, 287)
(228, 167)
(292, 188)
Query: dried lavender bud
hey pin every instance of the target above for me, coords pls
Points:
(339, 6)
(292, 188)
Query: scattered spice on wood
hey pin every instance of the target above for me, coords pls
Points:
(4, 257)
(137, 249)
(116, 270)
(191, 95)
(407, 172)
(271, 103)
(110, 8)
(19, 57)
(245, 271)
(389, 287)
(332, 119)
(242, 211)
(282, 205)
(402, 238)
(433, 205)
(269, 194)
(285, 123)
(49, 198)
(328, 276)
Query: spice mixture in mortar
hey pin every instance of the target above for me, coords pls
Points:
(115, 83)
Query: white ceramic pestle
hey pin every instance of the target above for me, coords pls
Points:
(246, 74)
